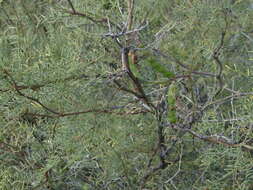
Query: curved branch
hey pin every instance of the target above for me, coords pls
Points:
(17, 89)
(101, 21)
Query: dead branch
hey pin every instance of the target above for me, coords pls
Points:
(216, 139)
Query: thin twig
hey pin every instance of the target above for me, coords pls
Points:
(103, 21)
(185, 67)
(130, 5)
(179, 166)
(216, 56)
(217, 139)
(15, 86)
(223, 100)
(122, 33)
(58, 114)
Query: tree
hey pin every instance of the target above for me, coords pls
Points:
(126, 94)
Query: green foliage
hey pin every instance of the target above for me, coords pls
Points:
(65, 62)
(135, 70)
(160, 68)
(171, 96)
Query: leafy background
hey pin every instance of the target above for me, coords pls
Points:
(64, 60)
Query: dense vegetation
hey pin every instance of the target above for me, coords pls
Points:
(124, 94)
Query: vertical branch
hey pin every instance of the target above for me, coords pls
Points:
(135, 80)
(130, 7)
(217, 51)
(124, 59)
(161, 141)
(216, 57)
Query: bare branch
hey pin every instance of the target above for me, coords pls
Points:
(223, 100)
(58, 114)
(15, 86)
(71, 5)
(120, 87)
(123, 33)
(130, 5)
(100, 21)
(216, 56)
(185, 67)
(217, 139)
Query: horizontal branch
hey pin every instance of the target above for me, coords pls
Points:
(99, 111)
(223, 100)
(185, 67)
(216, 139)
(58, 114)
(123, 33)
(36, 87)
